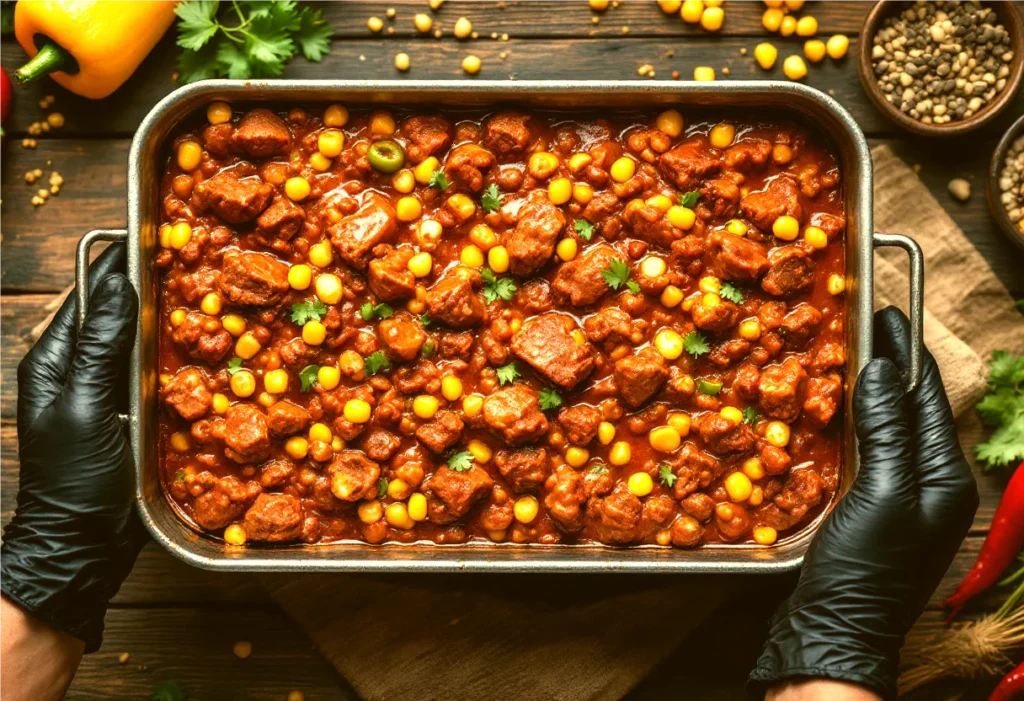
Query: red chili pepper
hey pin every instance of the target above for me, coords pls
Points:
(5, 96)
(1011, 687)
(1002, 545)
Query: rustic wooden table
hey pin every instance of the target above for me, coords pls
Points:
(180, 623)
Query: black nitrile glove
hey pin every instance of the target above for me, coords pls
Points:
(882, 551)
(74, 538)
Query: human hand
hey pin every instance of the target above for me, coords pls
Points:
(73, 538)
(884, 547)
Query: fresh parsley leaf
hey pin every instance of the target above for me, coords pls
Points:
(439, 180)
(599, 469)
(584, 229)
(314, 35)
(425, 320)
(199, 65)
(168, 691)
(689, 199)
(179, 477)
(380, 311)
(695, 344)
(382, 487)
(375, 362)
(307, 376)
(198, 23)
(667, 477)
(427, 351)
(549, 399)
(234, 365)
(617, 275)
(1003, 409)
(633, 286)
(310, 310)
(750, 416)
(491, 199)
(731, 293)
(507, 374)
(461, 461)
(497, 288)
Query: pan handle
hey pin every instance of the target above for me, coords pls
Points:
(82, 267)
(912, 378)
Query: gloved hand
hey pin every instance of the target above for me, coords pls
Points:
(884, 547)
(74, 538)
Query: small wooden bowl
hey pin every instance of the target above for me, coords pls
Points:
(992, 191)
(1009, 16)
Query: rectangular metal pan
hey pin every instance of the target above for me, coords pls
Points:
(763, 99)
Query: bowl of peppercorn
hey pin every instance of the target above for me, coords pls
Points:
(942, 68)
(1005, 187)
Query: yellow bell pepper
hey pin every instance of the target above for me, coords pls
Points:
(89, 47)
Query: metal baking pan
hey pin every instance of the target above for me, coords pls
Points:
(782, 98)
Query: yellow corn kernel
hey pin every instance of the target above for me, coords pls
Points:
(247, 346)
(704, 74)
(738, 486)
(398, 489)
(765, 535)
(794, 5)
(330, 143)
(640, 484)
(189, 155)
(266, 399)
(319, 162)
(660, 202)
(321, 254)
(777, 434)
(664, 439)
(299, 276)
(243, 384)
(335, 116)
(297, 447)
(417, 507)
(320, 432)
(220, 403)
(681, 217)
(836, 284)
(806, 26)
(472, 405)
(517, 324)
(722, 135)
(736, 227)
(483, 237)
(653, 267)
(582, 193)
(235, 534)
(605, 432)
(357, 411)
(578, 336)
(211, 303)
(181, 234)
(233, 324)
(837, 46)
(753, 468)
(461, 205)
(328, 288)
(328, 377)
(731, 413)
(382, 124)
(670, 123)
(425, 406)
(481, 451)
(370, 511)
(425, 169)
(498, 536)
(772, 19)
(712, 18)
(526, 508)
(428, 234)
(577, 457)
(766, 54)
(623, 169)
(691, 11)
(750, 329)
(669, 343)
(709, 284)
(276, 381)
(814, 50)
(713, 3)
(472, 257)
(451, 387)
(314, 332)
(579, 161)
(218, 112)
(681, 422)
(404, 181)
(567, 249)
(794, 67)
(786, 228)
(180, 441)
(816, 237)
(337, 444)
(471, 64)
(421, 264)
(787, 26)
(671, 296)
(297, 188)
(542, 164)
(560, 190)
(165, 236)
(711, 300)
(497, 259)
(463, 28)
(408, 209)
(670, 7)
(398, 516)
(620, 453)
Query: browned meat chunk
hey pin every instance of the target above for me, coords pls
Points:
(204, 337)
(823, 396)
(688, 163)
(775, 460)
(602, 205)
(830, 355)
(610, 324)
(276, 473)
(499, 512)
(725, 354)
(187, 394)
(546, 342)
(254, 279)
(686, 532)
(525, 469)
(735, 257)
(353, 476)
(425, 136)
(456, 345)
(390, 278)
(297, 355)
(466, 165)
(274, 518)
(234, 200)
(218, 139)
(649, 224)
(699, 505)
(721, 196)
(750, 151)
(453, 302)
(799, 326)
(791, 271)
(194, 286)
(507, 135)
(736, 526)
(402, 336)
(532, 243)
(534, 296)
(722, 436)
(801, 493)
(380, 445)
(831, 224)
(451, 494)
(779, 387)
(782, 196)
(579, 281)
(282, 219)
(285, 418)
(718, 317)
(442, 433)
(566, 497)
(356, 235)
(262, 133)
(245, 434)
(745, 382)
(226, 501)
(514, 414)
(693, 469)
(640, 376)
(616, 517)
(580, 422)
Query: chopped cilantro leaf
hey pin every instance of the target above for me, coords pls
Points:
(461, 461)
(382, 487)
(667, 477)
(618, 275)
(1003, 409)
(497, 288)
(375, 362)
(507, 374)
(689, 199)
(310, 310)
(695, 344)
(425, 320)
(179, 477)
(491, 199)
(549, 399)
(427, 351)
(307, 376)
(234, 365)
(750, 416)
(380, 311)
(731, 293)
(633, 286)
(168, 691)
(599, 469)
(584, 229)
(439, 180)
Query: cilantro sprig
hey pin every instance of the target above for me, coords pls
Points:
(307, 376)
(731, 293)
(1003, 409)
(310, 310)
(491, 199)
(507, 374)
(375, 362)
(461, 461)
(382, 487)
(549, 399)
(599, 469)
(689, 199)
(439, 180)
(250, 39)
(750, 416)
(234, 365)
(618, 274)
(496, 288)
(369, 311)
(584, 228)
(695, 344)
(666, 476)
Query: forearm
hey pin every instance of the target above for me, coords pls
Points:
(820, 690)
(37, 662)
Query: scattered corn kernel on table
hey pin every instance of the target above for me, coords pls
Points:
(180, 623)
